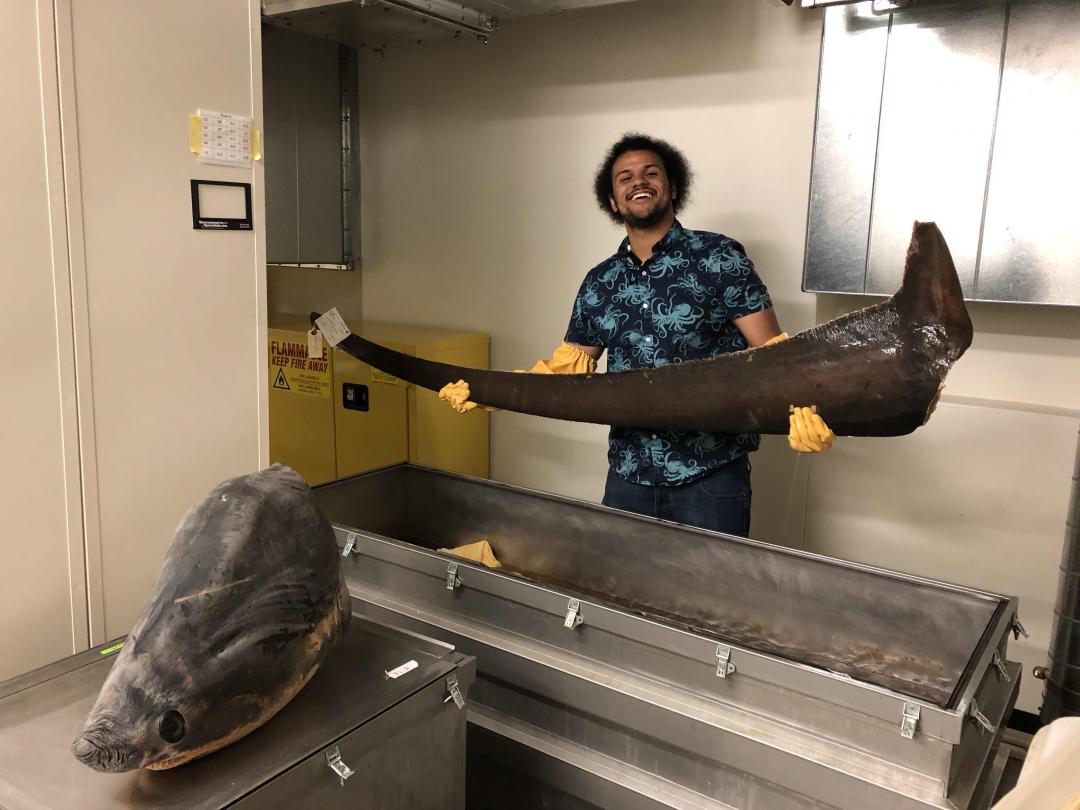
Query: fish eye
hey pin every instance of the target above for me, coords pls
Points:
(172, 727)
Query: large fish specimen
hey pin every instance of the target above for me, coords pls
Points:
(874, 372)
(249, 603)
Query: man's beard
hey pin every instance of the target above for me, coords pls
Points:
(653, 217)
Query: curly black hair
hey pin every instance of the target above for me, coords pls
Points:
(678, 170)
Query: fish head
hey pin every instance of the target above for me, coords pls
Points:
(130, 728)
(151, 716)
(156, 712)
(113, 743)
(249, 602)
(174, 696)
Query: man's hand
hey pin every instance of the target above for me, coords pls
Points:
(457, 394)
(566, 359)
(808, 432)
(775, 339)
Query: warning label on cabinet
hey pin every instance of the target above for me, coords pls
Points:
(385, 379)
(292, 370)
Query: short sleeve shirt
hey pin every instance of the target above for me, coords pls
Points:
(678, 306)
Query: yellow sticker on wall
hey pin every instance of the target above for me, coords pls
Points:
(385, 379)
(292, 370)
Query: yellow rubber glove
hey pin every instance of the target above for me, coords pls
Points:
(566, 359)
(777, 339)
(807, 431)
(457, 394)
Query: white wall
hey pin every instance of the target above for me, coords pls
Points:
(175, 319)
(477, 165)
(43, 613)
(136, 346)
(477, 169)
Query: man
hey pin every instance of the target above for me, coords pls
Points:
(669, 295)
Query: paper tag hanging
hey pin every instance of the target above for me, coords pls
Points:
(332, 326)
(314, 344)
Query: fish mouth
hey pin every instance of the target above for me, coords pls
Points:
(103, 750)
(179, 759)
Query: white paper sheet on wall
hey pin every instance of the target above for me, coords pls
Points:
(224, 139)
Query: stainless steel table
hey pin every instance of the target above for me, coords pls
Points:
(403, 738)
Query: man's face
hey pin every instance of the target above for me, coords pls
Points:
(641, 191)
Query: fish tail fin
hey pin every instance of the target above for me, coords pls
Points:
(931, 291)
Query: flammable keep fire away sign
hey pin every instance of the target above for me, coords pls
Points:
(292, 370)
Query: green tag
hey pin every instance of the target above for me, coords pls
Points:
(111, 649)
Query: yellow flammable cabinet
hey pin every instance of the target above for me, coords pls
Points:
(335, 416)
(436, 435)
(301, 401)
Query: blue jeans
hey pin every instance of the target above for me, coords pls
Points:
(719, 501)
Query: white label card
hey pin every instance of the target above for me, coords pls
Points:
(332, 326)
(225, 138)
(314, 344)
(397, 672)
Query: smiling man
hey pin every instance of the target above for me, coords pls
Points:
(669, 295)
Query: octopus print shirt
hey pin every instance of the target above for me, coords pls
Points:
(678, 306)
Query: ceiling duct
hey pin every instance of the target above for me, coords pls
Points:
(877, 6)
(377, 24)
(452, 15)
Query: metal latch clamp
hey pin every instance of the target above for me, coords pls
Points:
(573, 615)
(999, 667)
(980, 719)
(333, 761)
(455, 691)
(453, 581)
(909, 722)
(1018, 629)
(724, 667)
(350, 544)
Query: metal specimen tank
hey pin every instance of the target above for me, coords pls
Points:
(631, 662)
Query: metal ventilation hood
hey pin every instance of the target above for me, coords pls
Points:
(963, 113)
(377, 24)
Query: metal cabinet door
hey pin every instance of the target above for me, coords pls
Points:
(410, 757)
